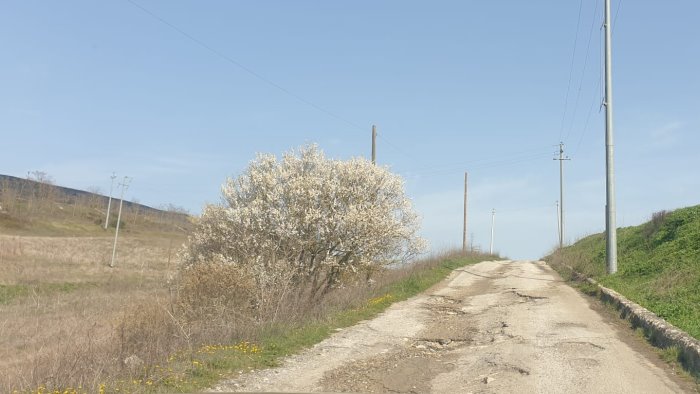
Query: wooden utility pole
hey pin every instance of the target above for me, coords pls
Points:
(464, 230)
(374, 144)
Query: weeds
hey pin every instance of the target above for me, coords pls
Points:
(659, 268)
(659, 265)
(132, 329)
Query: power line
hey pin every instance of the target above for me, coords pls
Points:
(617, 11)
(242, 66)
(583, 72)
(469, 163)
(588, 117)
(598, 95)
(259, 76)
(492, 164)
(571, 71)
(395, 147)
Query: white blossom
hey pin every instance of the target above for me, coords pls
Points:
(309, 219)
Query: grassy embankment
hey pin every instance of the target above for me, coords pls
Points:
(658, 268)
(658, 265)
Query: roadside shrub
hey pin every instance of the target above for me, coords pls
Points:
(653, 226)
(306, 222)
(217, 297)
(149, 331)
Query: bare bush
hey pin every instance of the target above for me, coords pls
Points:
(41, 177)
(657, 220)
(148, 331)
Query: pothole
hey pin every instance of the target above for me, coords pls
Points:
(571, 324)
(404, 371)
(528, 297)
(507, 367)
(433, 344)
(447, 310)
(443, 299)
(579, 345)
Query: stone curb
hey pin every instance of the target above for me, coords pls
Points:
(660, 332)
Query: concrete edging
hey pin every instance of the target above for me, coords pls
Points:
(660, 332)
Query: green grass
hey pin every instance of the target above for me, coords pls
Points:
(658, 265)
(10, 292)
(189, 373)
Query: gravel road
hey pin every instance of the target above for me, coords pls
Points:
(498, 326)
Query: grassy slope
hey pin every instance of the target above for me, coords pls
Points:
(658, 265)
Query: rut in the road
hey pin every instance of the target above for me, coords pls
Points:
(432, 351)
(410, 368)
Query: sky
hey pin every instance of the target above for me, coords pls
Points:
(180, 95)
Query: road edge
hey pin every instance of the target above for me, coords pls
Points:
(658, 331)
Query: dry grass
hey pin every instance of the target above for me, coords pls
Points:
(60, 305)
(67, 320)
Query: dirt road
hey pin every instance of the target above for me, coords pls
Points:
(503, 327)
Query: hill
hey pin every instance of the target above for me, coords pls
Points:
(55, 257)
(658, 265)
(30, 207)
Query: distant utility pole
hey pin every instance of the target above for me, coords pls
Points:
(464, 230)
(109, 202)
(561, 159)
(493, 222)
(558, 222)
(125, 185)
(374, 144)
(610, 225)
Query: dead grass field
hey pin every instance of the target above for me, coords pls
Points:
(60, 303)
(70, 323)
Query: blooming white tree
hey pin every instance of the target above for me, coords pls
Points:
(308, 220)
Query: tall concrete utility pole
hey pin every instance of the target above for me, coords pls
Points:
(109, 202)
(125, 186)
(561, 193)
(464, 230)
(374, 144)
(610, 223)
(558, 223)
(493, 222)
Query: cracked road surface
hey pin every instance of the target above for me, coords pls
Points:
(497, 326)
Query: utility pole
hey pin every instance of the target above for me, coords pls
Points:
(374, 144)
(561, 193)
(558, 222)
(464, 230)
(125, 185)
(610, 225)
(109, 202)
(493, 222)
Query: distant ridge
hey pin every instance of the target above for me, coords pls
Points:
(29, 187)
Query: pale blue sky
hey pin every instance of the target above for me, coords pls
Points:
(87, 88)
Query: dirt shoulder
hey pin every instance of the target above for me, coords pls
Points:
(492, 327)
